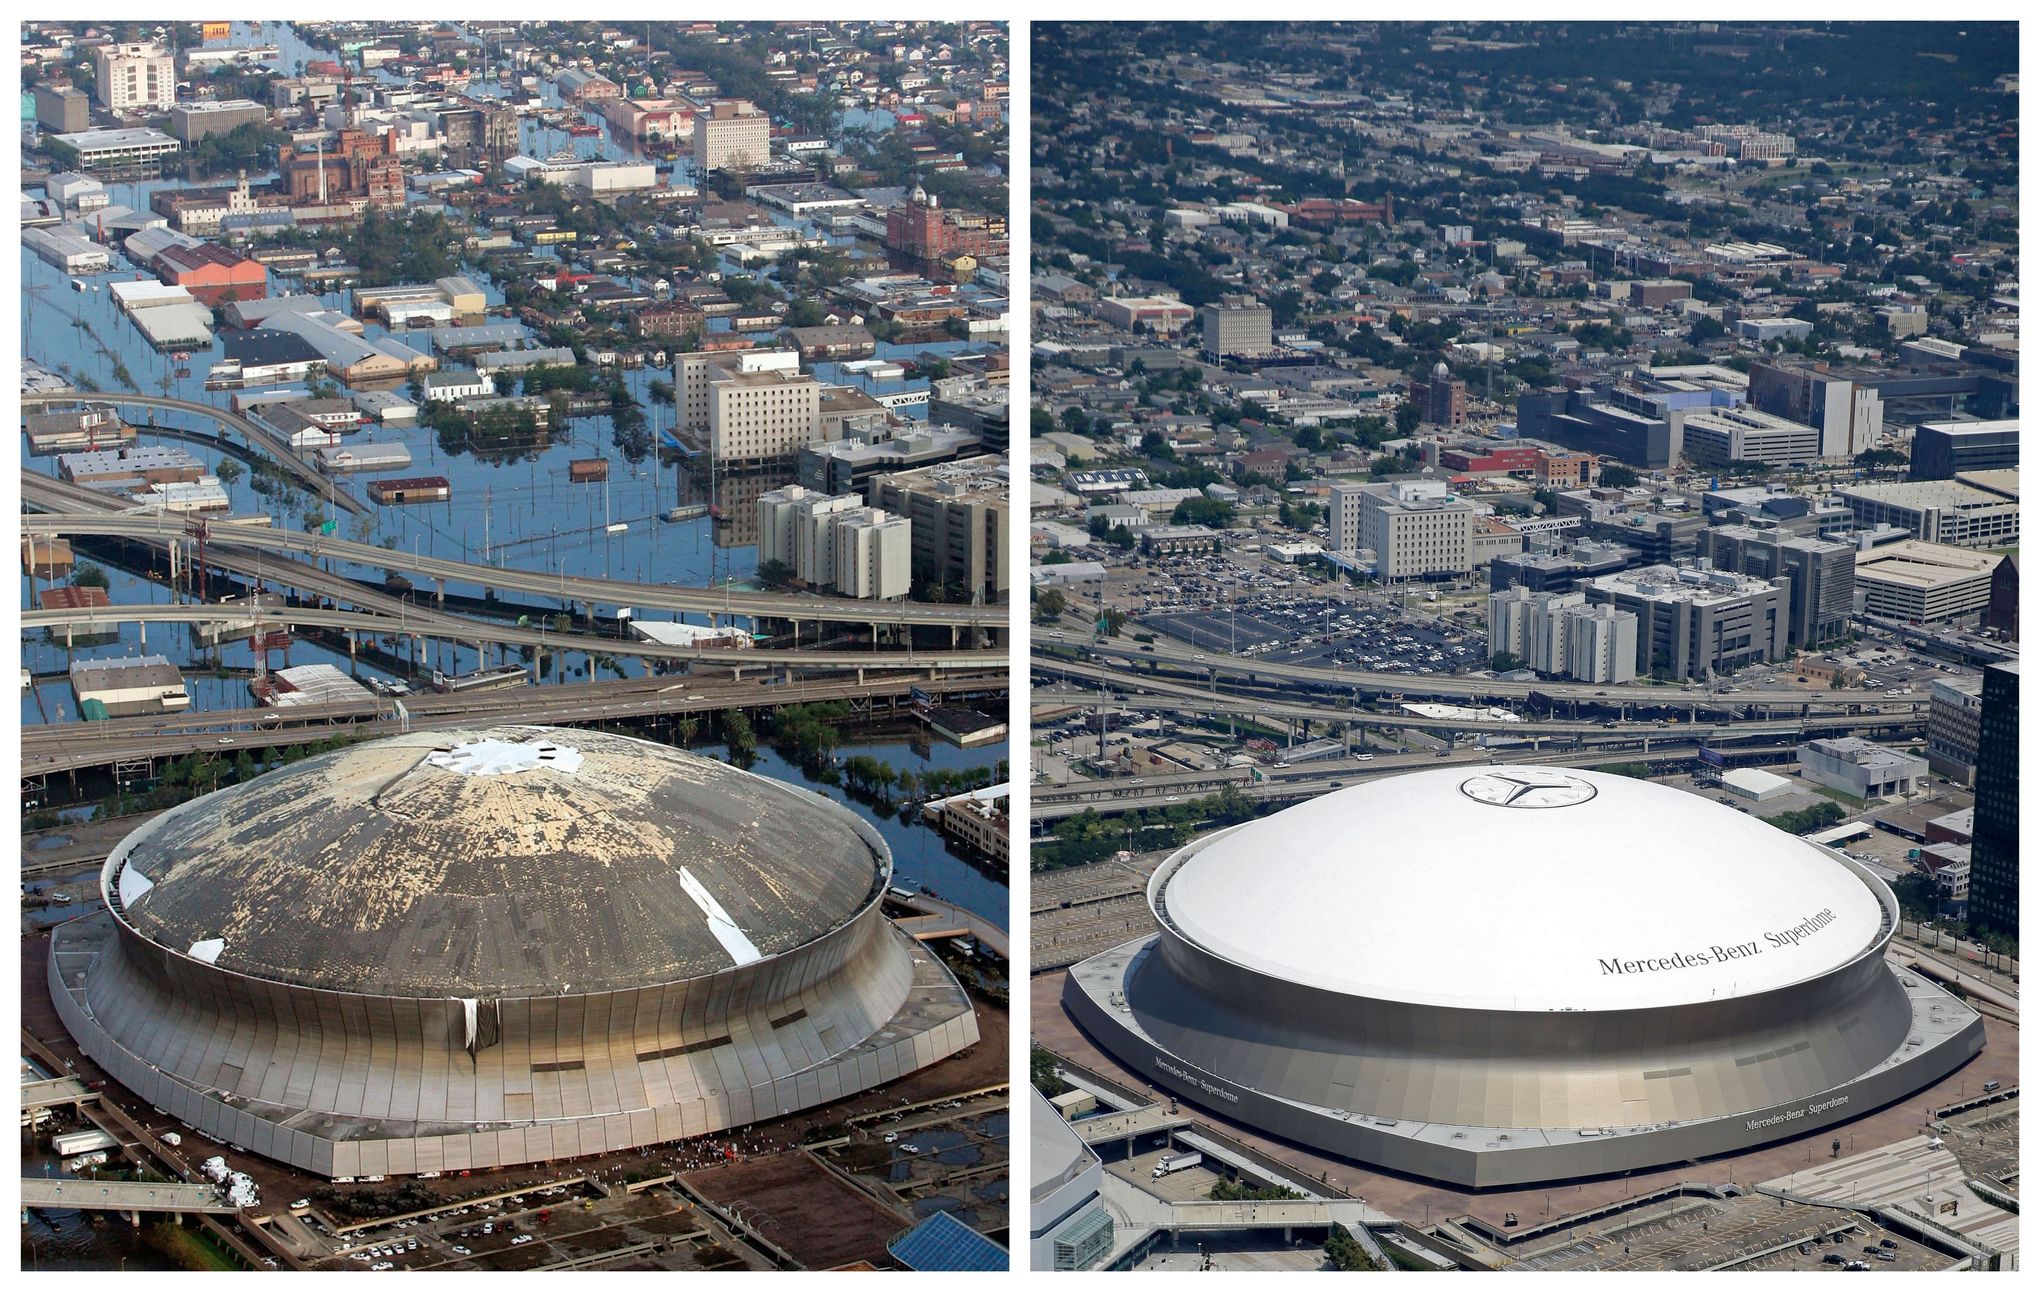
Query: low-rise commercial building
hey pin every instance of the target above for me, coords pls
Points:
(127, 146)
(191, 122)
(1861, 768)
(120, 688)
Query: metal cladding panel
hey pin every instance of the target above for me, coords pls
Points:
(1481, 1162)
(1524, 1069)
(393, 1070)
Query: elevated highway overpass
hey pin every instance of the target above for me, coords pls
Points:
(55, 1193)
(478, 632)
(53, 749)
(1140, 660)
(794, 608)
(1051, 803)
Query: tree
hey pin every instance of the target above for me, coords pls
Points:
(89, 576)
(775, 574)
(1917, 897)
(1042, 1074)
(229, 472)
(1617, 476)
(1114, 619)
(1050, 605)
(1407, 418)
(1504, 662)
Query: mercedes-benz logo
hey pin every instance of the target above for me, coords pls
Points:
(1527, 789)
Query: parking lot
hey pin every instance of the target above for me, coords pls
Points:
(1749, 1232)
(1192, 1184)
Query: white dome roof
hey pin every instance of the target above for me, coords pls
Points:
(1521, 888)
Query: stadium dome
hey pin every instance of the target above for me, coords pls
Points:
(466, 950)
(1510, 974)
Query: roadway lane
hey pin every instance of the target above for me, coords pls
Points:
(74, 746)
(1053, 803)
(795, 608)
(410, 623)
(1146, 656)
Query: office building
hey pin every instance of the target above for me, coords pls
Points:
(749, 407)
(874, 555)
(1954, 727)
(958, 511)
(731, 135)
(1849, 415)
(1820, 574)
(1944, 450)
(1558, 634)
(1415, 528)
(1237, 325)
(135, 77)
(1994, 845)
(62, 109)
(1693, 622)
(191, 122)
(1579, 1010)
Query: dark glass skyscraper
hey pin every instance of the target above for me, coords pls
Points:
(1994, 849)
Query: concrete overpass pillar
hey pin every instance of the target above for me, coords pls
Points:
(144, 628)
(441, 584)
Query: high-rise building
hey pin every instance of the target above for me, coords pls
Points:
(732, 135)
(1413, 527)
(874, 555)
(135, 77)
(1944, 450)
(1695, 622)
(1820, 573)
(959, 511)
(1849, 416)
(836, 542)
(749, 407)
(1442, 399)
(62, 109)
(1994, 847)
(1237, 325)
(1954, 718)
(1558, 634)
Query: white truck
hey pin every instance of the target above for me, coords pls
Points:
(1176, 1162)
